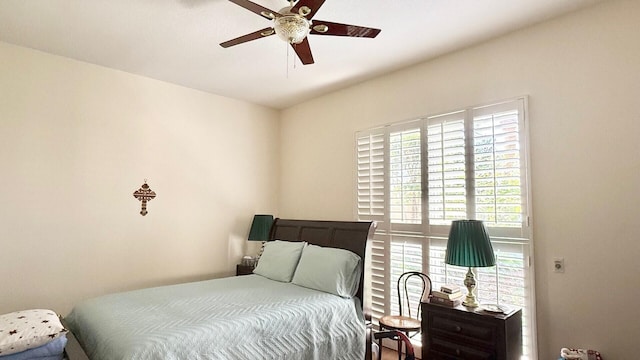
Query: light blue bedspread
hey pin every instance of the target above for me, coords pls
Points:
(242, 317)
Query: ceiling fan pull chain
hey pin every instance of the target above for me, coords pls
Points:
(294, 58)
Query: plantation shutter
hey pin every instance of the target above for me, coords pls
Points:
(405, 177)
(406, 210)
(500, 168)
(446, 169)
(371, 176)
(371, 193)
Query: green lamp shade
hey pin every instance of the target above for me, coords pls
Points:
(260, 227)
(469, 245)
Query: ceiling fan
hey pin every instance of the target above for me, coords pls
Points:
(293, 23)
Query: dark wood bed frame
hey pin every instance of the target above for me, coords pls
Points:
(348, 235)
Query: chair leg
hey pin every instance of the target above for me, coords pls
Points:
(399, 349)
(380, 345)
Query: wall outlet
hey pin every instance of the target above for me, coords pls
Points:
(558, 265)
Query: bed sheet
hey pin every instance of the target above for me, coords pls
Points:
(243, 317)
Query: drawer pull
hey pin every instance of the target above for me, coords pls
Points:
(458, 328)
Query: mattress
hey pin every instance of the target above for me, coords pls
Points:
(242, 317)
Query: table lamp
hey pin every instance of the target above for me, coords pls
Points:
(260, 230)
(469, 245)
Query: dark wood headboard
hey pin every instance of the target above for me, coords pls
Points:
(348, 235)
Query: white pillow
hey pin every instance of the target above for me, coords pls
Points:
(279, 260)
(331, 270)
(28, 329)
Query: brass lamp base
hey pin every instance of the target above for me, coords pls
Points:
(259, 254)
(470, 283)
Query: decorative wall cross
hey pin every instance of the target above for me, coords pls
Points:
(144, 194)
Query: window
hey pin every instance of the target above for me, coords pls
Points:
(415, 177)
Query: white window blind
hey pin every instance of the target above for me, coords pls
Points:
(414, 178)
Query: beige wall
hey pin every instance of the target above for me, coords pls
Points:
(76, 140)
(582, 75)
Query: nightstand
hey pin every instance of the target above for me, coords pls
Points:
(464, 333)
(244, 270)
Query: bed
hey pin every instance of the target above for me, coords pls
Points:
(245, 317)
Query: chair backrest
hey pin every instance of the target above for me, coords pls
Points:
(406, 280)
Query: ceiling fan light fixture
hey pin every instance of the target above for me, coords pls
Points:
(322, 28)
(304, 11)
(291, 28)
(267, 14)
(267, 32)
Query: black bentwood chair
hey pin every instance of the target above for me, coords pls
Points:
(408, 321)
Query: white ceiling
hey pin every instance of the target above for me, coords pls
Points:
(178, 40)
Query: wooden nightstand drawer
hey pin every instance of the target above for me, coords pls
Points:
(460, 327)
(463, 333)
(442, 349)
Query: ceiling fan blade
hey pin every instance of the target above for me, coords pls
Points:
(258, 9)
(304, 52)
(329, 28)
(312, 5)
(253, 36)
